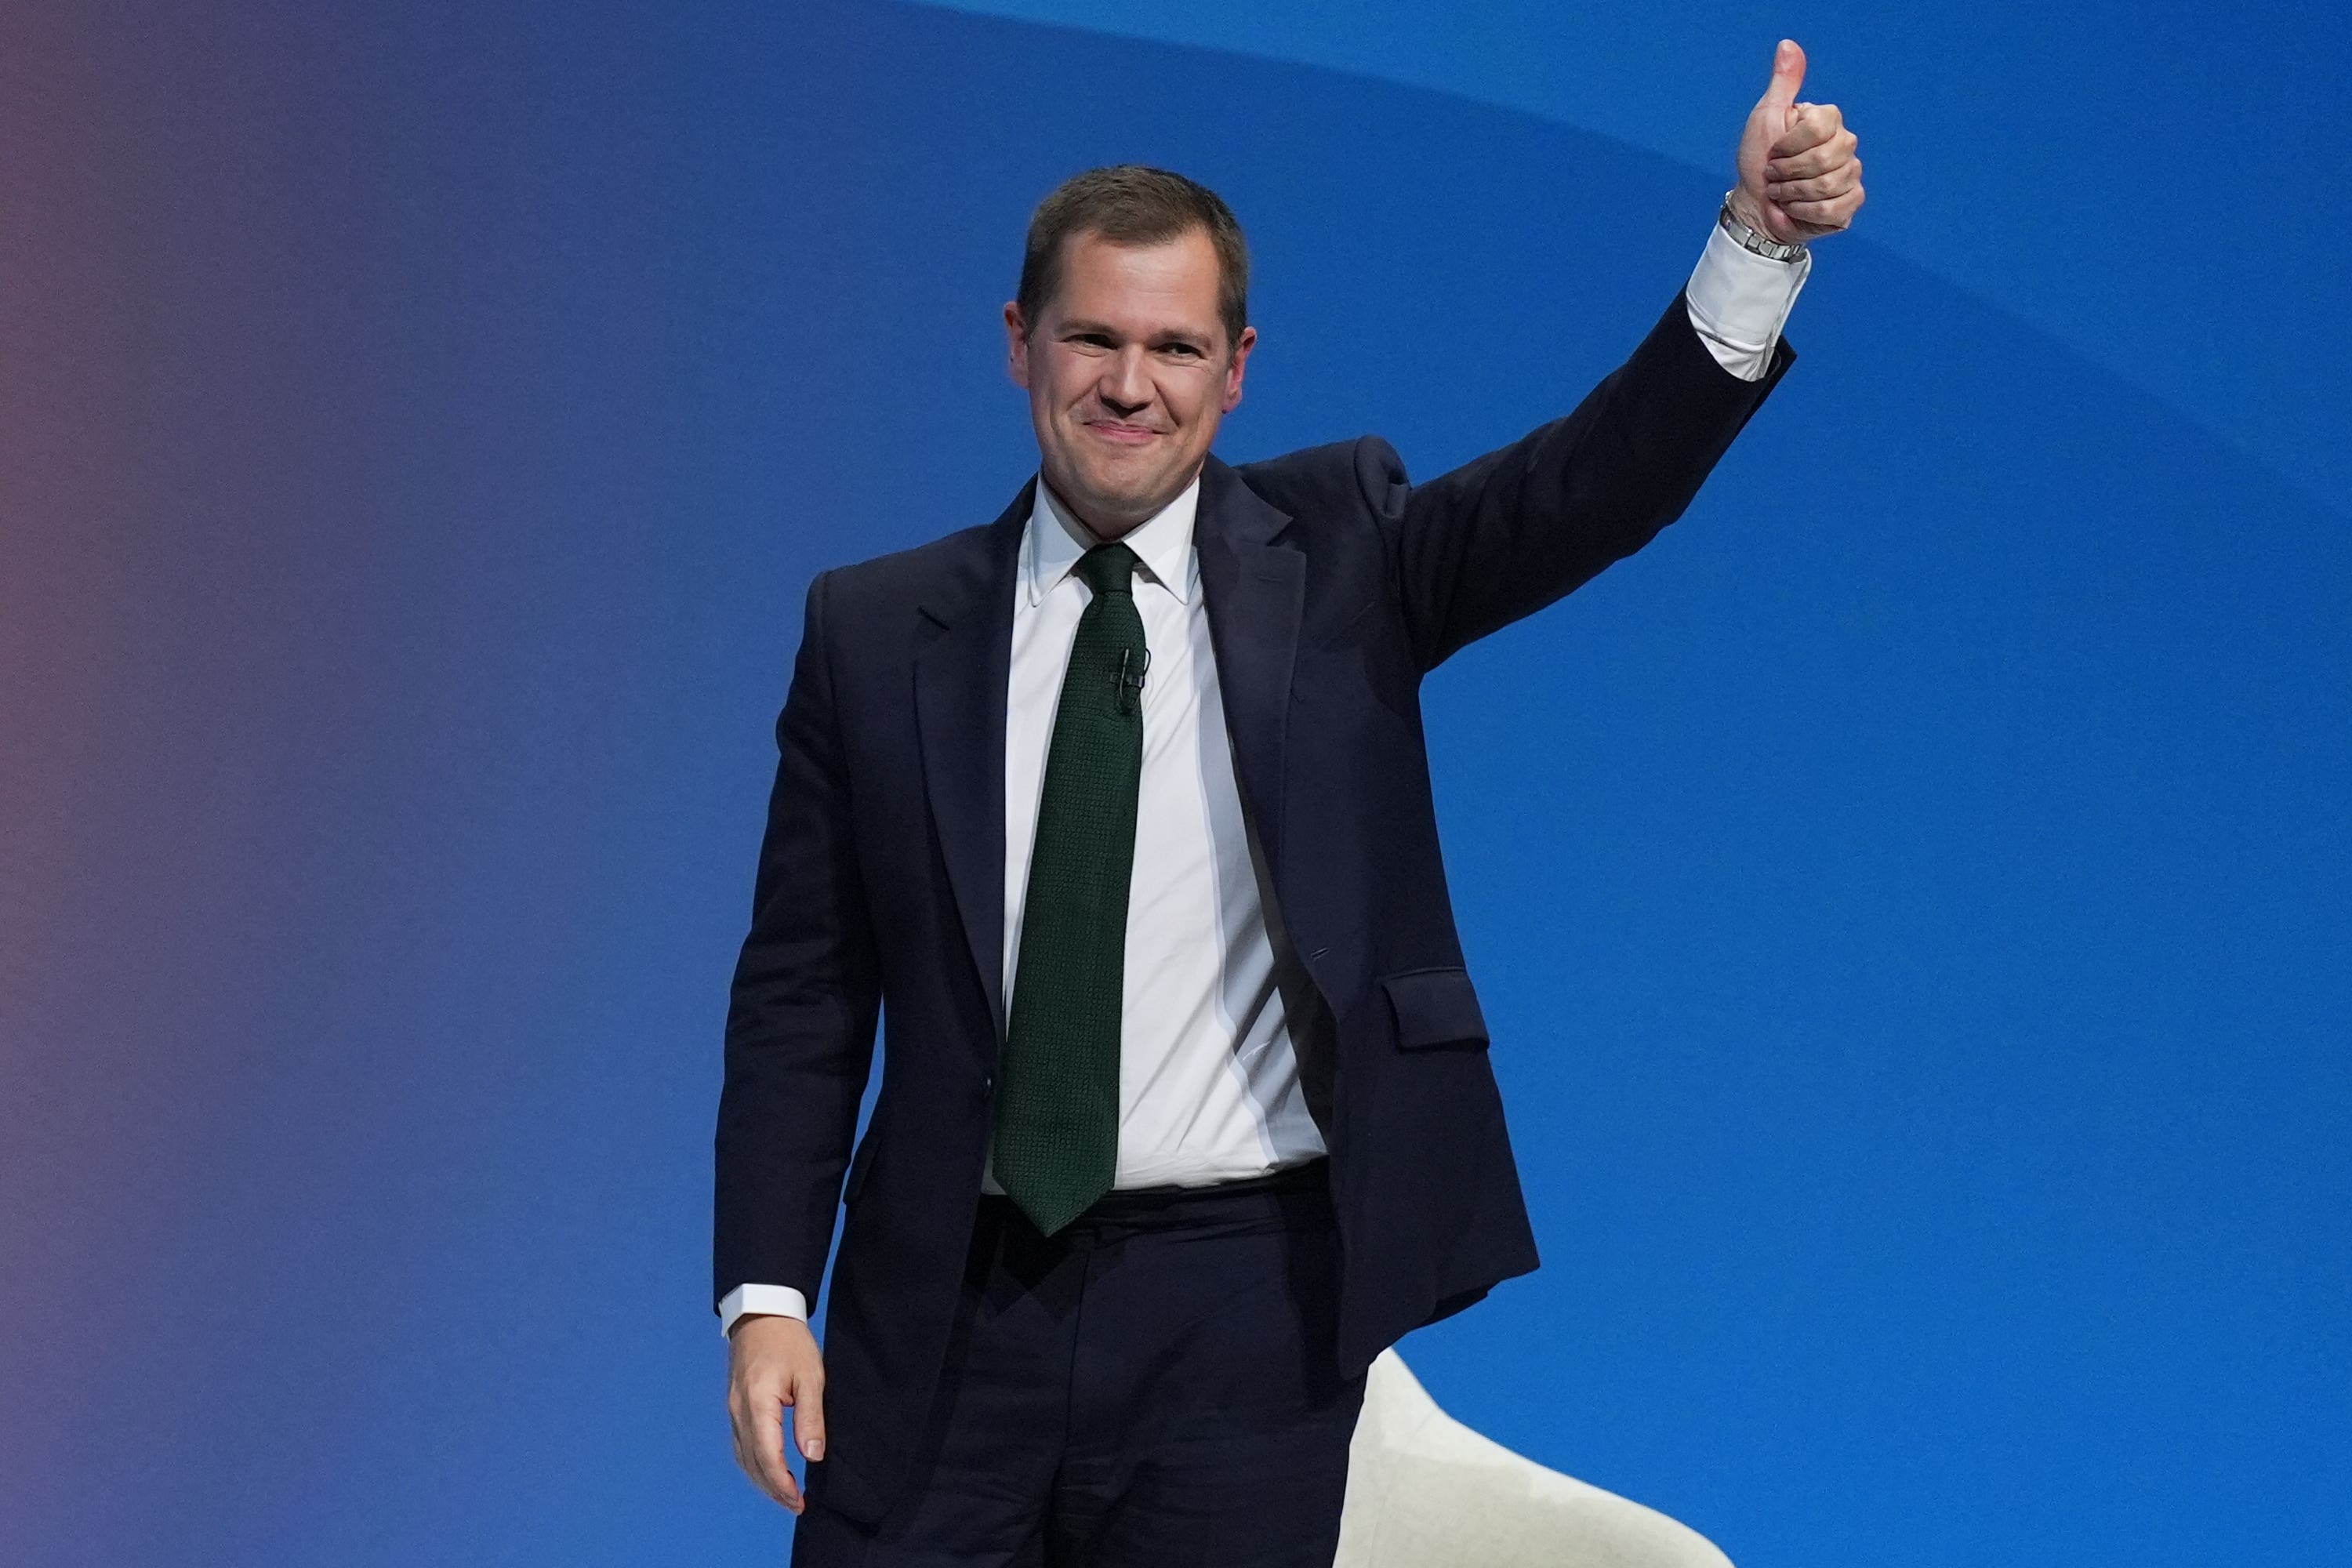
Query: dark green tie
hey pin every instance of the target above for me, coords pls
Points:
(1057, 1091)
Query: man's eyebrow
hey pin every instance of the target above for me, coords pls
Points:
(1172, 335)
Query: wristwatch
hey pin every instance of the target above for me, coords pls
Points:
(1761, 244)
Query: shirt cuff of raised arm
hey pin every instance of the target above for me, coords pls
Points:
(1739, 300)
(768, 1300)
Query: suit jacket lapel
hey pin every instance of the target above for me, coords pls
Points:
(960, 678)
(1255, 593)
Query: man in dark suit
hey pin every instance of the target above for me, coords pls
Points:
(1117, 809)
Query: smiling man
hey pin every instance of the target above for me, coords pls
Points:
(1117, 809)
(1140, 342)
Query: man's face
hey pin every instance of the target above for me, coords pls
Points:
(1129, 373)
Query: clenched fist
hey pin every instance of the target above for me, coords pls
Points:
(1798, 178)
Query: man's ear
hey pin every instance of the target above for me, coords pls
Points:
(1016, 345)
(1242, 346)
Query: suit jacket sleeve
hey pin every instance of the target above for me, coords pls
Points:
(801, 1011)
(1507, 533)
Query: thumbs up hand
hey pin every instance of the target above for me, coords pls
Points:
(1798, 178)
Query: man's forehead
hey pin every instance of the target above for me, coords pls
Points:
(1114, 280)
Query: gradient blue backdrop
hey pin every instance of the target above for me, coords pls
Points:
(1910, 899)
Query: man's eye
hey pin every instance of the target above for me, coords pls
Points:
(1183, 349)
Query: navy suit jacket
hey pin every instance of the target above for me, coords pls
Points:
(1332, 584)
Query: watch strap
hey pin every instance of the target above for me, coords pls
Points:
(1749, 239)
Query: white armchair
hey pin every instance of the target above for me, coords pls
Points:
(1426, 1491)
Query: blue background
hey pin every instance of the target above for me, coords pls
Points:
(1910, 899)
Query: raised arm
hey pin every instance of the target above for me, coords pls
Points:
(1506, 533)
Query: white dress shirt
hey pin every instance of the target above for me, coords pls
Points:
(1208, 1085)
(1209, 1082)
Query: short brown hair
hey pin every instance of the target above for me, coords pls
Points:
(1130, 204)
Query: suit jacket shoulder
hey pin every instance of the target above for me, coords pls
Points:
(894, 579)
(1356, 475)
(953, 578)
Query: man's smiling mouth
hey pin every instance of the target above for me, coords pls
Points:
(1119, 434)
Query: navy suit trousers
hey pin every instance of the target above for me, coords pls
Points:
(1157, 1384)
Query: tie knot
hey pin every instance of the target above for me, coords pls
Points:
(1108, 569)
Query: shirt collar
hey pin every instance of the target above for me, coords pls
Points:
(1054, 540)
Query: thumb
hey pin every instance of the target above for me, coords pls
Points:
(808, 1418)
(1788, 74)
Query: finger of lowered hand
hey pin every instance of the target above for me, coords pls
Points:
(1814, 161)
(768, 1438)
(756, 1420)
(1820, 187)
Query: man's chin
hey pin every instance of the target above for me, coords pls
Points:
(1123, 497)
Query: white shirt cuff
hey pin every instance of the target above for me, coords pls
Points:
(772, 1301)
(1739, 300)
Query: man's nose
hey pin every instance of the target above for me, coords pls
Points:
(1125, 385)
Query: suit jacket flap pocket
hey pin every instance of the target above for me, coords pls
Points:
(1435, 1007)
